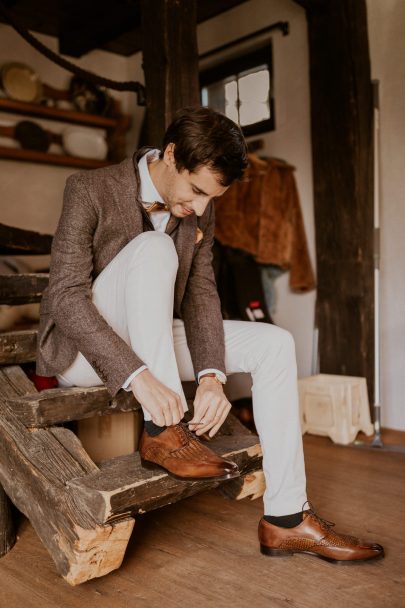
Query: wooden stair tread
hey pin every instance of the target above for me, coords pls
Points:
(23, 288)
(18, 346)
(17, 241)
(122, 485)
(57, 405)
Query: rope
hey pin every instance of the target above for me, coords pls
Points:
(129, 85)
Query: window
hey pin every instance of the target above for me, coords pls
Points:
(241, 88)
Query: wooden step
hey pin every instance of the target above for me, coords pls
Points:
(15, 241)
(57, 405)
(22, 288)
(123, 486)
(18, 346)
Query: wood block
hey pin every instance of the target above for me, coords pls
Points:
(252, 486)
(105, 437)
(18, 346)
(22, 288)
(56, 405)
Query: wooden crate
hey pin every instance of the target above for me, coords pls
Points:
(335, 406)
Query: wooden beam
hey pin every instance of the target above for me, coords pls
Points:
(35, 467)
(170, 61)
(15, 241)
(123, 485)
(341, 117)
(22, 288)
(18, 346)
(57, 405)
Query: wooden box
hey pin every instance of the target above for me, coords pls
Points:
(335, 406)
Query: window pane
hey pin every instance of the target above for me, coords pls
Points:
(254, 97)
(214, 96)
(255, 86)
(231, 100)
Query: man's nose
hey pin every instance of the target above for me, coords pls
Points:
(200, 205)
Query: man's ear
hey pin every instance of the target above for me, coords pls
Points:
(168, 155)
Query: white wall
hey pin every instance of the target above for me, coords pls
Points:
(30, 193)
(291, 139)
(386, 22)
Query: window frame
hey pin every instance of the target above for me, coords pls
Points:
(244, 62)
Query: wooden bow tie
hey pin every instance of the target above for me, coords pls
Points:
(154, 207)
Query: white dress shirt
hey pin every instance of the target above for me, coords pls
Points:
(148, 195)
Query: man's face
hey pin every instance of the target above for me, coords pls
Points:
(189, 192)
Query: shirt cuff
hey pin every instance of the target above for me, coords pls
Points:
(210, 371)
(128, 381)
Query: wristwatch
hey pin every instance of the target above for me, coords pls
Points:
(215, 376)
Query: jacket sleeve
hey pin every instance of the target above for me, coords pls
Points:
(70, 295)
(201, 308)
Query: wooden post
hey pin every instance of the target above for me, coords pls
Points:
(170, 61)
(7, 530)
(341, 116)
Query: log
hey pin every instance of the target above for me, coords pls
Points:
(122, 485)
(18, 346)
(15, 241)
(170, 61)
(251, 485)
(35, 468)
(341, 126)
(54, 406)
(22, 288)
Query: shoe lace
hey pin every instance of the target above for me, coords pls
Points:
(324, 523)
(184, 432)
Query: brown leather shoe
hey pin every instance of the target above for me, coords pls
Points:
(315, 536)
(182, 454)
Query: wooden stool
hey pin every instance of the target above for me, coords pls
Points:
(336, 406)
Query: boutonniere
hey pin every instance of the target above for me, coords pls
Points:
(199, 236)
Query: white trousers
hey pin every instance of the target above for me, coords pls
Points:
(134, 294)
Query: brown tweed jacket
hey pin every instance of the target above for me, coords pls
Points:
(101, 214)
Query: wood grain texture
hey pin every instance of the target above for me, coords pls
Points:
(341, 126)
(18, 346)
(53, 406)
(16, 241)
(123, 485)
(170, 61)
(203, 551)
(35, 467)
(22, 288)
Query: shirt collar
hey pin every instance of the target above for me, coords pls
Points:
(148, 191)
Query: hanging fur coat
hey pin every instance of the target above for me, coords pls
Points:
(262, 216)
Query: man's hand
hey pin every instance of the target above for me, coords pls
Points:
(211, 407)
(163, 404)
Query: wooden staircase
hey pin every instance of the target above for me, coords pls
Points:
(82, 511)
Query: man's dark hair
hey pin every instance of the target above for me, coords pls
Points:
(205, 137)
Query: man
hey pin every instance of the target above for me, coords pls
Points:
(133, 250)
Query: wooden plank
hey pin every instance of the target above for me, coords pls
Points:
(47, 158)
(53, 406)
(341, 117)
(18, 346)
(35, 467)
(16, 241)
(123, 485)
(170, 61)
(22, 288)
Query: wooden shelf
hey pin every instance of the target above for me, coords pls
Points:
(33, 156)
(74, 117)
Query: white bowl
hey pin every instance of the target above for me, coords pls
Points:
(84, 143)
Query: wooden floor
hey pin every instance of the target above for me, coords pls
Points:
(203, 551)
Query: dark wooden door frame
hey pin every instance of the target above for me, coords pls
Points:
(342, 136)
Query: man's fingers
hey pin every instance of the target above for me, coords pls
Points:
(179, 408)
(210, 418)
(221, 421)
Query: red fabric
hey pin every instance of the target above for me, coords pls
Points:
(43, 382)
